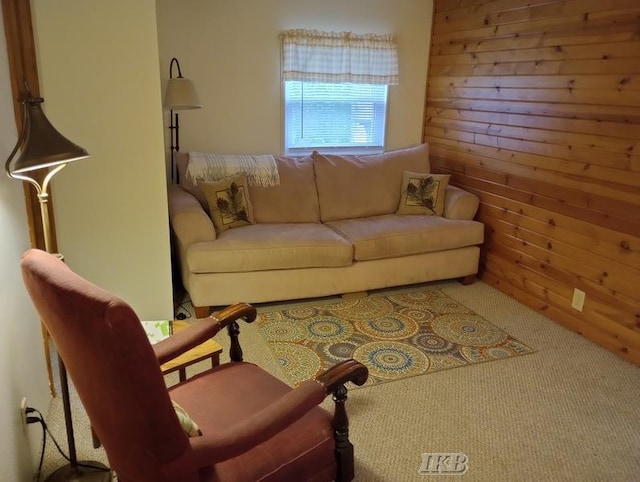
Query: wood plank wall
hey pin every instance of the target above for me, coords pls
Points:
(534, 105)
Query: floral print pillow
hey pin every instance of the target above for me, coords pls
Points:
(228, 201)
(423, 193)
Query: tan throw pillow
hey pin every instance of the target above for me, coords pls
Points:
(228, 201)
(422, 193)
(186, 422)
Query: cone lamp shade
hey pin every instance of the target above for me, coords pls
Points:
(42, 145)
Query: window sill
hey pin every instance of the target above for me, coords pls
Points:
(340, 151)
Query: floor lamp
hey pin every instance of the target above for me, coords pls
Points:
(44, 148)
(180, 95)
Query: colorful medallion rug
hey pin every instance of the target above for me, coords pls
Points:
(395, 336)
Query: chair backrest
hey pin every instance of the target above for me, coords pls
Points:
(111, 364)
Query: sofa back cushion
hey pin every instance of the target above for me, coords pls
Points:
(294, 200)
(182, 161)
(360, 186)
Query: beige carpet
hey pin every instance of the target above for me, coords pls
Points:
(568, 412)
(396, 335)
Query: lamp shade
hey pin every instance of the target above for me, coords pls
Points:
(43, 145)
(181, 95)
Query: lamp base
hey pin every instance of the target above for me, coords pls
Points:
(76, 473)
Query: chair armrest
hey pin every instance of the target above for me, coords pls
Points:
(346, 371)
(215, 447)
(460, 204)
(201, 330)
(189, 221)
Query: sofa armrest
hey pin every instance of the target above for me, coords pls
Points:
(190, 223)
(460, 204)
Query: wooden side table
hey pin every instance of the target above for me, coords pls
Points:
(208, 349)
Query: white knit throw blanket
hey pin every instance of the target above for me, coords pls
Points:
(260, 170)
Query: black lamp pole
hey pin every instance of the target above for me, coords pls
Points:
(174, 125)
(180, 95)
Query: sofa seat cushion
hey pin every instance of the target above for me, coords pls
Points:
(392, 235)
(271, 246)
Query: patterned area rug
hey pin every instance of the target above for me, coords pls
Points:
(395, 336)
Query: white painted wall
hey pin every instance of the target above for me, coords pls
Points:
(231, 51)
(22, 365)
(99, 76)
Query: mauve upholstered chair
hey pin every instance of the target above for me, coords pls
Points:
(254, 427)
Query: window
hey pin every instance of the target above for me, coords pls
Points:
(334, 117)
(335, 90)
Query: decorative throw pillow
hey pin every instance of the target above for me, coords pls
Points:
(228, 201)
(422, 193)
(188, 425)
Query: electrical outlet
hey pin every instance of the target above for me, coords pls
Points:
(23, 410)
(577, 303)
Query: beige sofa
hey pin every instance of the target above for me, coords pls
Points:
(329, 227)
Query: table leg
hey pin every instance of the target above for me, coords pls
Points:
(215, 360)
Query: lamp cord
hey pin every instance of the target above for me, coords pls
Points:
(45, 431)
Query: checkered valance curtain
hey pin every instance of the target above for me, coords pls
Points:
(344, 57)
